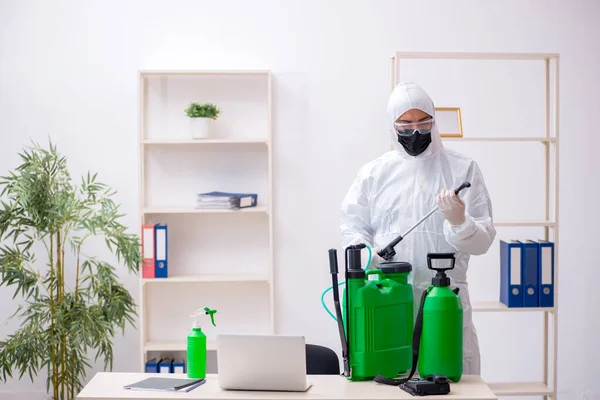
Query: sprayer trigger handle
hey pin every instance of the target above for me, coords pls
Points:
(387, 253)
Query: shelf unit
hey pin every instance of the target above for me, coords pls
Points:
(222, 259)
(551, 110)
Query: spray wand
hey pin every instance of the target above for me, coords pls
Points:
(388, 252)
(333, 267)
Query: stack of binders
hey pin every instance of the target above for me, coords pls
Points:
(527, 273)
(165, 366)
(155, 251)
(222, 200)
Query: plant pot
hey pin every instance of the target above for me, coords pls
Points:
(201, 127)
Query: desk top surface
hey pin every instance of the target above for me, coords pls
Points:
(109, 386)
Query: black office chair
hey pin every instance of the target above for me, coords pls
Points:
(321, 360)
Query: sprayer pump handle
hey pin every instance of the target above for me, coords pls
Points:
(440, 256)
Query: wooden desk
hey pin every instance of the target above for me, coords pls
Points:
(109, 386)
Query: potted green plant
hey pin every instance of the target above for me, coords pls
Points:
(73, 302)
(202, 117)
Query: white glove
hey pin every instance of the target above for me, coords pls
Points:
(452, 206)
(376, 258)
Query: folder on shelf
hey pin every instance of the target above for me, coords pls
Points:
(165, 366)
(546, 273)
(179, 367)
(511, 288)
(152, 366)
(530, 267)
(161, 251)
(148, 252)
(226, 200)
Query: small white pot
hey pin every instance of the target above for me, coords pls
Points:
(201, 127)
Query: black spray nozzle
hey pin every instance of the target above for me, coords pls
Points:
(388, 252)
(441, 279)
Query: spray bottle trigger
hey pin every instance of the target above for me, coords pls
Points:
(210, 312)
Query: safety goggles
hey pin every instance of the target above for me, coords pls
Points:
(410, 128)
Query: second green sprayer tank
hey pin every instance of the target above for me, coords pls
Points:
(441, 347)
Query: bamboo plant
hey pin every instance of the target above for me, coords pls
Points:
(73, 303)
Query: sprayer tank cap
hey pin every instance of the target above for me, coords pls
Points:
(395, 267)
(440, 279)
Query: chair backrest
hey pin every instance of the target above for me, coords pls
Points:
(321, 360)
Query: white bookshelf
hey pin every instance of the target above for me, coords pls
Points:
(222, 259)
(546, 387)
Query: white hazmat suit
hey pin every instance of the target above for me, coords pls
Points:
(393, 192)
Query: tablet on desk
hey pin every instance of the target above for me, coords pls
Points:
(262, 362)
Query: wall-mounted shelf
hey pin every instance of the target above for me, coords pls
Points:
(203, 142)
(206, 279)
(549, 224)
(496, 306)
(520, 389)
(196, 73)
(175, 346)
(500, 139)
(191, 210)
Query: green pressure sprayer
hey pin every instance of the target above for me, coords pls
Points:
(437, 343)
(378, 316)
(441, 347)
(375, 318)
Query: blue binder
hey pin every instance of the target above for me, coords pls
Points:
(245, 199)
(165, 366)
(178, 367)
(152, 366)
(546, 273)
(511, 288)
(531, 267)
(161, 250)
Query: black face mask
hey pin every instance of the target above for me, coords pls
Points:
(416, 143)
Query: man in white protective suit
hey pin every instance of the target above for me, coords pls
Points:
(393, 192)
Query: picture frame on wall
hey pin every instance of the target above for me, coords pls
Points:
(449, 121)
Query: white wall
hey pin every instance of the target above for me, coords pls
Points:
(68, 69)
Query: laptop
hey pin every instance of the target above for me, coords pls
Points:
(262, 362)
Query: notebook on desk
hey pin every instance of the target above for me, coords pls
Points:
(166, 384)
